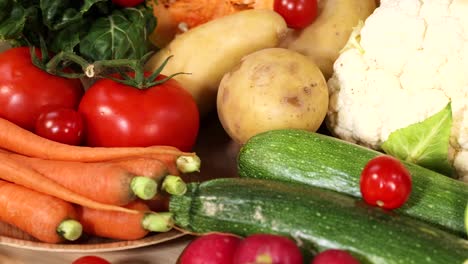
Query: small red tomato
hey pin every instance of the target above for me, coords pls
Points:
(90, 260)
(385, 182)
(334, 256)
(298, 14)
(61, 124)
(127, 3)
(25, 89)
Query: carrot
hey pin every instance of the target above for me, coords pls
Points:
(118, 225)
(100, 181)
(179, 164)
(194, 13)
(144, 166)
(42, 216)
(159, 203)
(171, 185)
(22, 141)
(13, 171)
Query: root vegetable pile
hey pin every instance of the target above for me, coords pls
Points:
(55, 192)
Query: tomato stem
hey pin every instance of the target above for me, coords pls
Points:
(102, 68)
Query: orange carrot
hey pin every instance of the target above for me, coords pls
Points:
(44, 217)
(144, 166)
(171, 185)
(22, 141)
(169, 161)
(100, 181)
(178, 164)
(160, 203)
(194, 13)
(118, 225)
(13, 171)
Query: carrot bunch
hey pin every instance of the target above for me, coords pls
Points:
(55, 191)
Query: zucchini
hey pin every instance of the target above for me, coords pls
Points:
(316, 218)
(331, 163)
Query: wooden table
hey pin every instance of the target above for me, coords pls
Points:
(218, 154)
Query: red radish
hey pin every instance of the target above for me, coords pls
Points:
(334, 256)
(267, 249)
(213, 248)
(90, 260)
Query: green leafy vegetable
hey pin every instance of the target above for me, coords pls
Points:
(93, 29)
(118, 36)
(425, 143)
(12, 19)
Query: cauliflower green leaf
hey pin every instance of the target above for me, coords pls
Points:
(425, 143)
(466, 218)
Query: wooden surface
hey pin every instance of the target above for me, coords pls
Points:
(218, 154)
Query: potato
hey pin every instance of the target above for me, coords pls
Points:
(329, 33)
(272, 89)
(210, 50)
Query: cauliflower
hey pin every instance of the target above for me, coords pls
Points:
(406, 62)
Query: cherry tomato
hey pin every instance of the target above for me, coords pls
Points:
(385, 182)
(334, 256)
(298, 14)
(90, 260)
(25, 89)
(62, 125)
(119, 115)
(127, 3)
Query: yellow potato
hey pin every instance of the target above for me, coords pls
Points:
(210, 50)
(272, 89)
(328, 34)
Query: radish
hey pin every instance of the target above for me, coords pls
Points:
(267, 249)
(213, 248)
(334, 256)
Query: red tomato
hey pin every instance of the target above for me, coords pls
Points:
(127, 3)
(90, 260)
(334, 256)
(298, 14)
(118, 115)
(385, 182)
(62, 125)
(25, 89)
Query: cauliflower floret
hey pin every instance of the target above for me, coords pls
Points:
(405, 63)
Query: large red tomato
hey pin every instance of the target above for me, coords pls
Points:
(25, 89)
(119, 115)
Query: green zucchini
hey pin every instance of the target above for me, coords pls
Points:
(316, 218)
(327, 162)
